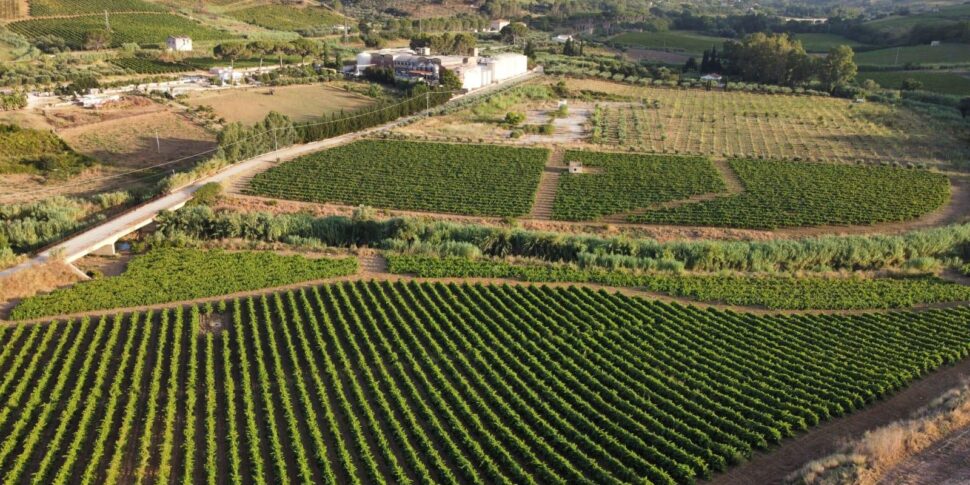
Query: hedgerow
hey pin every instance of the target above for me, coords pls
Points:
(167, 274)
(620, 182)
(461, 179)
(792, 194)
(769, 291)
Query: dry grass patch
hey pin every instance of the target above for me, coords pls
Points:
(866, 461)
(300, 103)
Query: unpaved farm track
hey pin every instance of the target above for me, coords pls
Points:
(771, 466)
(945, 462)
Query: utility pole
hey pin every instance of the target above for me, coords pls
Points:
(107, 23)
(158, 144)
(896, 62)
(427, 100)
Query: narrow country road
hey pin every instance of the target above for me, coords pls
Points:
(81, 244)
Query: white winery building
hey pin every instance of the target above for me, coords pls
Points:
(474, 71)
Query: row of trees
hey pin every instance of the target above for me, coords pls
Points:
(458, 44)
(305, 48)
(780, 59)
(239, 142)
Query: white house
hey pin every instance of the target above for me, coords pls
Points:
(226, 75)
(711, 77)
(497, 25)
(562, 38)
(179, 44)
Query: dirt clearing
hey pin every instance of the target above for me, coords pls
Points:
(300, 103)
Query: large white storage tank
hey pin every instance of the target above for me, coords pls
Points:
(508, 65)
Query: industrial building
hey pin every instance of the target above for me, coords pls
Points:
(474, 71)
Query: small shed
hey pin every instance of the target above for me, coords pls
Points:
(563, 102)
(179, 43)
(575, 167)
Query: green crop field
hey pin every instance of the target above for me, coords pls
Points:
(150, 66)
(280, 17)
(24, 150)
(940, 82)
(677, 41)
(779, 292)
(622, 182)
(40, 8)
(462, 179)
(824, 42)
(164, 275)
(137, 28)
(395, 382)
(791, 194)
(916, 54)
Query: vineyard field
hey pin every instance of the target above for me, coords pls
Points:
(282, 17)
(40, 8)
(620, 182)
(462, 179)
(10, 9)
(166, 275)
(777, 292)
(137, 28)
(754, 125)
(150, 66)
(792, 194)
(373, 382)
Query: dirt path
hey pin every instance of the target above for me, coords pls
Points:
(946, 462)
(771, 466)
(548, 183)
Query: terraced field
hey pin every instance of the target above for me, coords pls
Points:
(139, 28)
(373, 382)
(41, 8)
(484, 180)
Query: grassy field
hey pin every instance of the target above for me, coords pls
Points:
(461, 179)
(300, 103)
(824, 42)
(164, 275)
(25, 150)
(917, 54)
(793, 194)
(144, 29)
(622, 182)
(10, 9)
(130, 142)
(956, 83)
(737, 124)
(280, 17)
(396, 382)
(678, 41)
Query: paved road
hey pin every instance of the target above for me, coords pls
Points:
(109, 231)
